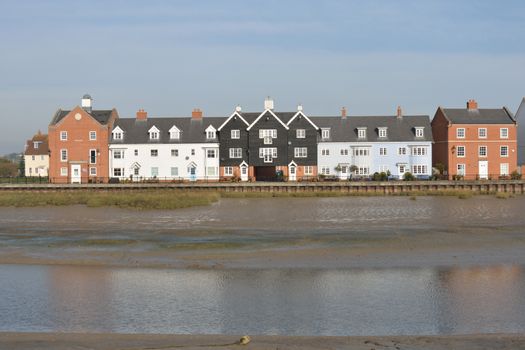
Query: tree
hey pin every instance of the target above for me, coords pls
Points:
(7, 168)
(22, 166)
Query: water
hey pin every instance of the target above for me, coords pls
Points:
(288, 302)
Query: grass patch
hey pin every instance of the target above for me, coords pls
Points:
(504, 195)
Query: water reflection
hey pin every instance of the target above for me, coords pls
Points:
(293, 302)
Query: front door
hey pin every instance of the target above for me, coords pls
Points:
(76, 176)
(244, 173)
(193, 173)
(483, 169)
(343, 175)
(293, 173)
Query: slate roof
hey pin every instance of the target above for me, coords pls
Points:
(102, 116)
(284, 116)
(43, 148)
(479, 116)
(192, 130)
(398, 129)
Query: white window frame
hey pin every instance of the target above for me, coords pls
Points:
(419, 151)
(63, 135)
(482, 131)
(464, 151)
(480, 153)
(325, 151)
(300, 152)
(504, 133)
(382, 132)
(211, 153)
(308, 170)
(92, 135)
(419, 132)
(228, 171)
(174, 152)
(461, 169)
(506, 148)
(174, 171)
(117, 135)
(92, 171)
(504, 169)
(154, 153)
(91, 153)
(235, 134)
(344, 151)
(118, 154)
(211, 135)
(419, 169)
(460, 133)
(193, 151)
(63, 155)
(118, 170)
(325, 133)
(382, 151)
(154, 171)
(325, 170)
(235, 152)
(63, 171)
(361, 133)
(153, 135)
(401, 151)
(136, 152)
(300, 133)
(175, 135)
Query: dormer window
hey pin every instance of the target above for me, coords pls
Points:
(154, 133)
(325, 133)
(36, 144)
(361, 133)
(211, 133)
(117, 133)
(419, 132)
(382, 132)
(174, 133)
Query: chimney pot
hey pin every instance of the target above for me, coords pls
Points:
(472, 105)
(343, 112)
(268, 103)
(399, 112)
(196, 114)
(299, 107)
(238, 108)
(141, 114)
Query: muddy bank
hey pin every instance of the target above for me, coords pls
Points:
(63, 341)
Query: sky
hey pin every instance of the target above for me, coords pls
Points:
(169, 57)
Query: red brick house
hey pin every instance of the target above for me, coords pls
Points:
(475, 143)
(79, 144)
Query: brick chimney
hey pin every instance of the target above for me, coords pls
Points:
(343, 112)
(142, 114)
(472, 105)
(399, 112)
(196, 114)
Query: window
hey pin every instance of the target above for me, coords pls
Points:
(63, 155)
(361, 133)
(460, 133)
(32, 157)
(268, 140)
(402, 169)
(382, 151)
(362, 171)
(118, 172)
(117, 135)
(136, 170)
(63, 171)
(344, 151)
(235, 134)
(503, 133)
(92, 135)
(211, 171)
(92, 156)
(419, 151)
(300, 133)
(193, 151)
(211, 153)
(325, 134)
(174, 171)
(136, 152)
(300, 152)
(93, 171)
(361, 152)
(210, 134)
(325, 170)
(504, 151)
(325, 152)
(461, 169)
(401, 151)
(235, 152)
(174, 134)
(154, 152)
(117, 154)
(504, 169)
(63, 136)
(382, 132)
(308, 170)
(154, 135)
(228, 171)
(154, 171)
(268, 154)
(174, 152)
(263, 133)
(419, 169)
(461, 151)
(482, 133)
(419, 132)
(41, 157)
(482, 151)
(36, 145)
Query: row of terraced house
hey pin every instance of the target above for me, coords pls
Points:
(88, 145)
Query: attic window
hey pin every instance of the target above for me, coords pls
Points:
(175, 134)
(117, 135)
(210, 135)
(382, 132)
(325, 134)
(36, 144)
(153, 133)
(419, 132)
(361, 133)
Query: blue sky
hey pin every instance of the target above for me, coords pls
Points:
(171, 56)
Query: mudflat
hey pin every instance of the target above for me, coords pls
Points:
(67, 341)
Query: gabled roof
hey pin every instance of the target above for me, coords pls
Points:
(43, 147)
(234, 114)
(399, 129)
(300, 113)
(478, 116)
(101, 116)
(285, 116)
(191, 130)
